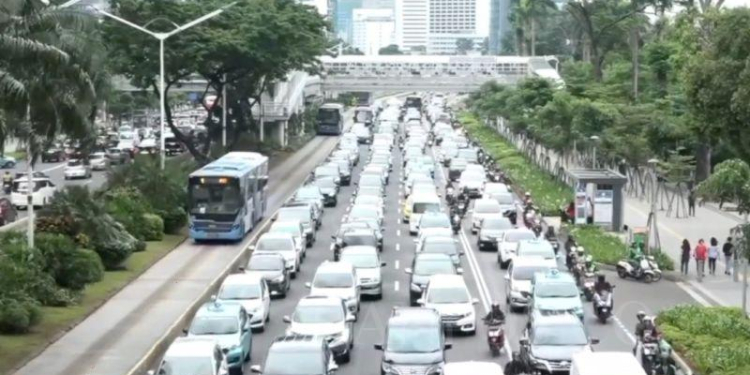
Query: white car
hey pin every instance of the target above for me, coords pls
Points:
(337, 279)
(483, 208)
(295, 228)
(518, 280)
(449, 295)
(367, 264)
(251, 291)
(76, 169)
(192, 356)
(42, 192)
(508, 242)
(280, 243)
(537, 248)
(326, 317)
(99, 161)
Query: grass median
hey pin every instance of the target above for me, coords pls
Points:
(548, 193)
(15, 349)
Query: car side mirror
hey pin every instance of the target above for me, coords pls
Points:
(308, 285)
(287, 319)
(594, 341)
(241, 268)
(460, 271)
(251, 247)
(474, 301)
(185, 331)
(351, 318)
(420, 301)
(378, 346)
(382, 264)
(448, 346)
(255, 369)
(408, 270)
(506, 277)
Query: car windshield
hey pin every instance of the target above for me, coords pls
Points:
(294, 363)
(371, 180)
(273, 244)
(301, 215)
(333, 280)
(361, 260)
(318, 314)
(214, 325)
(361, 239)
(447, 246)
(526, 273)
(326, 171)
(544, 252)
(559, 335)
(291, 229)
(503, 198)
(413, 339)
(496, 223)
(447, 295)
(363, 211)
(239, 291)
(433, 267)
(422, 207)
(75, 163)
(265, 263)
(434, 221)
(187, 365)
(308, 193)
(521, 235)
(556, 290)
(325, 183)
(487, 208)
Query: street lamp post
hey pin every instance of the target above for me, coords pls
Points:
(162, 37)
(595, 139)
(653, 228)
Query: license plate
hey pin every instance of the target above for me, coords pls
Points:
(213, 235)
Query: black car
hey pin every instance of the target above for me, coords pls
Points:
(298, 354)
(491, 229)
(172, 146)
(329, 188)
(414, 342)
(457, 166)
(271, 266)
(53, 155)
(355, 237)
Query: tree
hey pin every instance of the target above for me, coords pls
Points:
(246, 49)
(730, 182)
(390, 50)
(464, 45)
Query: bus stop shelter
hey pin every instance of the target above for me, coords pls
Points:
(599, 197)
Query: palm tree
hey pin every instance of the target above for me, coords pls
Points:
(525, 16)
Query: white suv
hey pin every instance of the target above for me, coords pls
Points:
(325, 317)
(449, 295)
(337, 279)
(367, 264)
(280, 243)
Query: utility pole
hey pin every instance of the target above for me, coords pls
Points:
(29, 181)
(653, 227)
(224, 113)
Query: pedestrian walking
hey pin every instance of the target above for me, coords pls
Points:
(685, 256)
(691, 202)
(713, 255)
(728, 251)
(700, 254)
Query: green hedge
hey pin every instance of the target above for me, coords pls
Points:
(609, 249)
(714, 340)
(153, 227)
(548, 193)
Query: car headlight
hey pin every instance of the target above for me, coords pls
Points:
(389, 369)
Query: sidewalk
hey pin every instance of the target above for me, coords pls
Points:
(709, 221)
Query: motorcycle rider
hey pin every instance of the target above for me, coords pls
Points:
(463, 197)
(495, 315)
(635, 256)
(645, 330)
(7, 181)
(527, 199)
(602, 285)
(589, 267)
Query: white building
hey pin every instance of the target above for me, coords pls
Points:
(412, 24)
(452, 20)
(373, 29)
(322, 6)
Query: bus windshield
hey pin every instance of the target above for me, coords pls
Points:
(328, 116)
(215, 195)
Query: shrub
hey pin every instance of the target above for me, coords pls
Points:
(112, 242)
(128, 206)
(18, 315)
(605, 248)
(174, 219)
(70, 267)
(153, 227)
(664, 261)
(22, 274)
(714, 340)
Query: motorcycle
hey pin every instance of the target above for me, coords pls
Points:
(587, 285)
(665, 364)
(495, 337)
(603, 305)
(456, 223)
(449, 198)
(7, 186)
(648, 271)
(461, 206)
(649, 354)
(512, 215)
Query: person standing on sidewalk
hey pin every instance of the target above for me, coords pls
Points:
(728, 251)
(691, 202)
(700, 254)
(685, 256)
(713, 255)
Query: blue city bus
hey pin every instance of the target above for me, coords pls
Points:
(330, 119)
(227, 197)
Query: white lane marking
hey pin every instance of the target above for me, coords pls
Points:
(693, 294)
(399, 201)
(396, 264)
(707, 292)
(398, 232)
(398, 247)
(622, 327)
(395, 286)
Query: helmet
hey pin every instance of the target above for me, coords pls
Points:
(495, 305)
(600, 278)
(588, 259)
(580, 250)
(527, 194)
(640, 315)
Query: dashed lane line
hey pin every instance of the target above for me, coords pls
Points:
(395, 286)
(395, 264)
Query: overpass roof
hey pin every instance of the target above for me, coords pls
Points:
(423, 59)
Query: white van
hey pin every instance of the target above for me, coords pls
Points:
(605, 363)
(43, 191)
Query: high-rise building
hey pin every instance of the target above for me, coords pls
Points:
(499, 24)
(372, 29)
(451, 21)
(412, 24)
(322, 6)
(343, 18)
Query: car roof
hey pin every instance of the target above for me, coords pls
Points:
(529, 261)
(335, 267)
(541, 319)
(536, 243)
(360, 249)
(443, 280)
(191, 347)
(438, 238)
(286, 223)
(425, 198)
(553, 276)
(215, 308)
(320, 301)
(411, 316)
(276, 235)
(243, 279)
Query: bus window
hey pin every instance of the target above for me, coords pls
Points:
(328, 116)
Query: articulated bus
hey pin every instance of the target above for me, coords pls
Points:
(227, 197)
(330, 119)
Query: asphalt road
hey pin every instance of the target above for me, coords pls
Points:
(117, 336)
